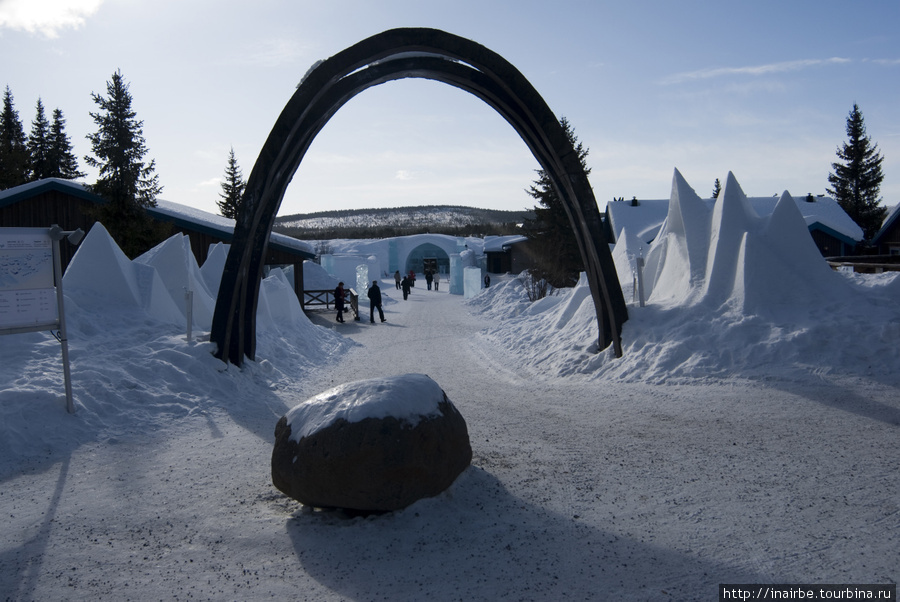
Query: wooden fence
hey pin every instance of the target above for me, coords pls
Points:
(321, 298)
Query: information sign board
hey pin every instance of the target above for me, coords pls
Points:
(28, 298)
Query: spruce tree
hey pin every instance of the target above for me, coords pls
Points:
(13, 145)
(717, 188)
(232, 188)
(39, 146)
(856, 183)
(126, 182)
(555, 251)
(63, 163)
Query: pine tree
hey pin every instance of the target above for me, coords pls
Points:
(125, 181)
(232, 189)
(63, 163)
(13, 145)
(39, 146)
(856, 183)
(552, 239)
(717, 188)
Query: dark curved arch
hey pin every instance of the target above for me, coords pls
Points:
(392, 55)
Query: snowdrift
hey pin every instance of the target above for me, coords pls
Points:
(133, 367)
(729, 293)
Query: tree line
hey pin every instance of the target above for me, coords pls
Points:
(126, 179)
(478, 230)
(129, 183)
(45, 153)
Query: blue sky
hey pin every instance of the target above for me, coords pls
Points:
(759, 88)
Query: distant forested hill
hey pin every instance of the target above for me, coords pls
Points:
(401, 221)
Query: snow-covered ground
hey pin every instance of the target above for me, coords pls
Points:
(748, 435)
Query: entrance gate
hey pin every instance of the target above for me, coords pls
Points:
(391, 55)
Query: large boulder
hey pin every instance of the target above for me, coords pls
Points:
(372, 445)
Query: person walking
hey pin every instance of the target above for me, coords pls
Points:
(375, 301)
(404, 284)
(397, 279)
(429, 277)
(339, 295)
(437, 280)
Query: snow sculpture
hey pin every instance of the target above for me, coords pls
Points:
(372, 445)
(362, 279)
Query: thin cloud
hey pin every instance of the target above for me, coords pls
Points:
(273, 52)
(403, 175)
(46, 17)
(783, 67)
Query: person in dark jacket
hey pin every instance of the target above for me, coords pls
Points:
(339, 295)
(404, 284)
(375, 301)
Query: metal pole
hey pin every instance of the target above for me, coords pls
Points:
(189, 310)
(63, 337)
(640, 278)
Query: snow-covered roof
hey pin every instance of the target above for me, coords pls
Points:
(498, 244)
(24, 191)
(645, 219)
(222, 226)
(177, 213)
(893, 215)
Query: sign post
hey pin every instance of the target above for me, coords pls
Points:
(30, 266)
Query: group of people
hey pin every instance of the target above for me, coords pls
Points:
(374, 294)
(404, 283)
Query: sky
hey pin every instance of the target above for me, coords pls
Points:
(762, 89)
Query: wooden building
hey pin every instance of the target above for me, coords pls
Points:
(508, 254)
(54, 201)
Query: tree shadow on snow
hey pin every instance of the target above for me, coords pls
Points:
(478, 541)
(840, 397)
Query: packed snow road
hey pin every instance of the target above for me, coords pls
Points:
(579, 489)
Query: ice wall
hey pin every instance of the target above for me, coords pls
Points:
(472, 281)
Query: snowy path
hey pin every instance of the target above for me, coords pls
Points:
(578, 490)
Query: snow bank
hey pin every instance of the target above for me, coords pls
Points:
(729, 294)
(132, 367)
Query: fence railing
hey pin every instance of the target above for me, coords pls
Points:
(325, 299)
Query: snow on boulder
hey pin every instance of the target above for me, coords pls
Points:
(373, 445)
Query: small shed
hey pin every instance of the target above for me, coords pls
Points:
(51, 201)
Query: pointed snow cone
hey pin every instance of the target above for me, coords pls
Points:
(373, 445)
(733, 216)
